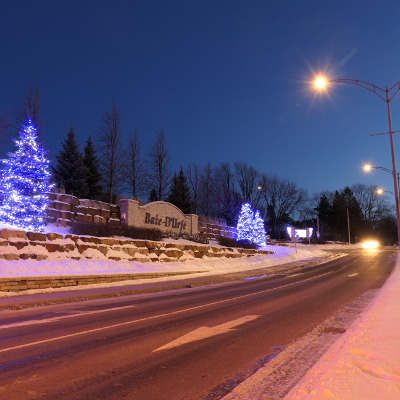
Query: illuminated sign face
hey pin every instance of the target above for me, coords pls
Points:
(299, 233)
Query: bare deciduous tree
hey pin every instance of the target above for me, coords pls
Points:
(110, 149)
(192, 172)
(30, 107)
(206, 192)
(159, 167)
(283, 199)
(248, 180)
(134, 170)
(227, 197)
(373, 207)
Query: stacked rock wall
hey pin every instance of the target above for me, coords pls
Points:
(21, 245)
(18, 284)
(65, 208)
(213, 231)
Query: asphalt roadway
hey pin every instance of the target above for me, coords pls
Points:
(192, 343)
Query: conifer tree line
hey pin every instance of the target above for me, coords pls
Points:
(216, 191)
(110, 165)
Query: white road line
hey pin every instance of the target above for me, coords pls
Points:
(57, 318)
(205, 332)
(103, 328)
(293, 275)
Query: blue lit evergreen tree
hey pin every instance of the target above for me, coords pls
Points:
(245, 223)
(25, 182)
(250, 226)
(259, 233)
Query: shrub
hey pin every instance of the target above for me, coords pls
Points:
(106, 230)
(142, 233)
(229, 242)
(199, 238)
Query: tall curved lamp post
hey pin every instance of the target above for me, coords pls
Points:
(368, 167)
(387, 95)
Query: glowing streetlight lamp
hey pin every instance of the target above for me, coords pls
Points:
(369, 168)
(381, 192)
(387, 95)
(320, 82)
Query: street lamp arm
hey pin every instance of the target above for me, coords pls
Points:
(397, 86)
(366, 85)
(384, 169)
(372, 88)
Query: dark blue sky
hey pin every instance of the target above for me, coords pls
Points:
(225, 79)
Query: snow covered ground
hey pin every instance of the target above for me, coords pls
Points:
(363, 364)
(54, 266)
(210, 266)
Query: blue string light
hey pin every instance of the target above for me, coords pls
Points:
(250, 226)
(25, 183)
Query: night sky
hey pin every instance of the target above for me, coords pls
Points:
(226, 80)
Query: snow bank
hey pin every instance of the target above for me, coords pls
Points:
(364, 364)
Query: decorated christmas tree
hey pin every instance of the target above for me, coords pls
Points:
(250, 226)
(259, 230)
(245, 223)
(25, 182)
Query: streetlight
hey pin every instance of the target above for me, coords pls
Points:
(369, 167)
(321, 83)
(381, 192)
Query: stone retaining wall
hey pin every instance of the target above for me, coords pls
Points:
(65, 208)
(213, 231)
(18, 284)
(21, 245)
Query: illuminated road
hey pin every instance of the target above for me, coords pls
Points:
(186, 344)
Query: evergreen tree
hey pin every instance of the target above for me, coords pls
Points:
(179, 194)
(346, 214)
(259, 233)
(245, 223)
(325, 213)
(272, 221)
(153, 195)
(25, 182)
(93, 176)
(70, 171)
(339, 217)
(230, 206)
(356, 217)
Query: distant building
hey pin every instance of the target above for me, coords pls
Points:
(295, 234)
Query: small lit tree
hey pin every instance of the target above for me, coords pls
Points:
(250, 226)
(259, 233)
(25, 182)
(245, 223)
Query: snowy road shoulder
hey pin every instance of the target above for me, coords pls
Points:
(282, 255)
(364, 363)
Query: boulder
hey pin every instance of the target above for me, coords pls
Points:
(37, 236)
(54, 236)
(11, 233)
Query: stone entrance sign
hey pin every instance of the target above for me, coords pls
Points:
(160, 215)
